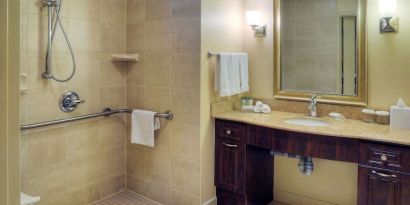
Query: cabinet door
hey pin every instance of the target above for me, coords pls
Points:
(230, 165)
(379, 187)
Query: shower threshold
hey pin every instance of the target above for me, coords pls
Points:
(126, 198)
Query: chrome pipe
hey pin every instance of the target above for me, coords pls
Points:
(106, 112)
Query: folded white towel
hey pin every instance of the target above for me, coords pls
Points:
(143, 125)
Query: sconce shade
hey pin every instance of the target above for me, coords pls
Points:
(254, 18)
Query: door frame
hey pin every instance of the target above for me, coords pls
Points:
(9, 102)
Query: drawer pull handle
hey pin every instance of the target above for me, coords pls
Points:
(383, 158)
(230, 145)
(384, 175)
(228, 132)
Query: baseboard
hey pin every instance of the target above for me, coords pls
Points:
(210, 202)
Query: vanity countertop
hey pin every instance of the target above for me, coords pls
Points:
(339, 128)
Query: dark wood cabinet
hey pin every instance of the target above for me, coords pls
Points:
(244, 165)
(230, 165)
(381, 187)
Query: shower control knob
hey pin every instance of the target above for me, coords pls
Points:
(69, 101)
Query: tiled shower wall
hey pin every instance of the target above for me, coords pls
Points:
(166, 34)
(80, 162)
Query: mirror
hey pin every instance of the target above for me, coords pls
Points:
(320, 49)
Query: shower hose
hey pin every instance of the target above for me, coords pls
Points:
(56, 22)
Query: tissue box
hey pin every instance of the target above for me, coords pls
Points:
(400, 117)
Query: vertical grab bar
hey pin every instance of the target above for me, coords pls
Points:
(47, 74)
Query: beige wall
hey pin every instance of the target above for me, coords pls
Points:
(9, 126)
(221, 31)
(166, 34)
(388, 80)
(83, 161)
(387, 57)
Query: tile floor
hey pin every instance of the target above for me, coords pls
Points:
(129, 198)
(125, 198)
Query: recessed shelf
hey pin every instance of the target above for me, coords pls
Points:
(125, 57)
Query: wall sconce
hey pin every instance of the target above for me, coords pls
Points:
(254, 19)
(388, 23)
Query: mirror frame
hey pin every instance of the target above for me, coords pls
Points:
(360, 99)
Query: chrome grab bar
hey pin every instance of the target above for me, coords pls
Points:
(106, 112)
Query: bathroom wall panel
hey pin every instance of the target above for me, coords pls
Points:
(81, 162)
(166, 35)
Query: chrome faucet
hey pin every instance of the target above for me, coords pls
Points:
(313, 106)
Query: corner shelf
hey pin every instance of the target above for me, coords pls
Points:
(125, 57)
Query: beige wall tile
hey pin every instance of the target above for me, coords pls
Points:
(158, 70)
(135, 162)
(83, 9)
(111, 186)
(43, 181)
(113, 11)
(85, 194)
(157, 99)
(135, 95)
(158, 192)
(136, 184)
(185, 141)
(135, 11)
(186, 8)
(112, 97)
(185, 176)
(136, 39)
(186, 36)
(158, 43)
(135, 71)
(158, 167)
(112, 40)
(180, 198)
(158, 9)
(185, 105)
(185, 72)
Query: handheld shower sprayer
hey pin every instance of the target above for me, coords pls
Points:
(54, 19)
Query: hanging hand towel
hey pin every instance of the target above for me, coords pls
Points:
(223, 77)
(244, 73)
(143, 125)
(235, 74)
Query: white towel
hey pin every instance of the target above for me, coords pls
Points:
(223, 75)
(240, 65)
(244, 72)
(143, 125)
(231, 74)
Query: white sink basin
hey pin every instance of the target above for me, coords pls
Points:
(308, 122)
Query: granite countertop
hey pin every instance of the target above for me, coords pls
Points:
(347, 128)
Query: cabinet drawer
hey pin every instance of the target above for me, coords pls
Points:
(230, 130)
(230, 165)
(385, 156)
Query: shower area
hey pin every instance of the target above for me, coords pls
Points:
(84, 66)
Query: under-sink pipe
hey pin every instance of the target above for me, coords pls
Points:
(305, 164)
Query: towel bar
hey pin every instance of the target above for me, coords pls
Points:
(106, 112)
